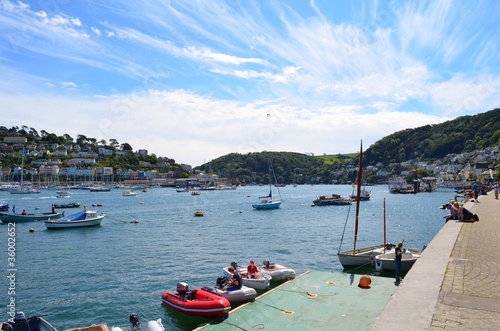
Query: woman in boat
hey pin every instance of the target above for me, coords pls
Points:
(252, 270)
(398, 254)
(235, 282)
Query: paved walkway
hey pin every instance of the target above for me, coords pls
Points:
(470, 295)
(455, 284)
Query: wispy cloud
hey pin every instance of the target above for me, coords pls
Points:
(321, 67)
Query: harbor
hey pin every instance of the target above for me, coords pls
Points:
(150, 242)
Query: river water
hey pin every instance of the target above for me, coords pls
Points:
(79, 277)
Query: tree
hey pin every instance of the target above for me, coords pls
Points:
(126, 147)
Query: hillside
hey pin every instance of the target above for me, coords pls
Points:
(431, 142)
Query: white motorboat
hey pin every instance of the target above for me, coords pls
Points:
(244, 294)
(386, 262)
(262, 281)
(80, 219)
(135, 325)
(277, 271)
(129, 193)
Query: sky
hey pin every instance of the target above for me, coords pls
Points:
(195, 80)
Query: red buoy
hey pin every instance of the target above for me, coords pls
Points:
(365, 281)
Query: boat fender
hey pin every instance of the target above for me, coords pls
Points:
(378, 264)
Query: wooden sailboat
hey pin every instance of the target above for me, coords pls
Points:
(357, 257)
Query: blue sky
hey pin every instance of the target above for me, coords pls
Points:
(195, 80)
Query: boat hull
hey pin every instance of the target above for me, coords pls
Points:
(360, 257)
(199, 303)
(278, 272)
(72, 224)
(9, 217)
(81, 219)
(267, 205)
(386, 262)
(261, 283)
(245, 294)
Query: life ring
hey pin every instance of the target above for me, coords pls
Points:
(378, 264)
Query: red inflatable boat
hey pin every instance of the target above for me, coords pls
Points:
(197, 302)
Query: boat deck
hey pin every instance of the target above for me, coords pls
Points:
(313, 301)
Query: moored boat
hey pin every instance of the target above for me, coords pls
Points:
(4, 206)
(261, 282)
(334, 200)
(135, 325)
(12, 217)
(386, 262)
(67, 205)
(21, 323)
(129, 193)
(80, 219)
(244, 294)
(277, 271)
(357, 257)
(198, 302)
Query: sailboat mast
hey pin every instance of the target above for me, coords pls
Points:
(385, 238)
(358, 196)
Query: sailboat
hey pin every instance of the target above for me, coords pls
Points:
(267, 202)
(21, 189)
(357, 257)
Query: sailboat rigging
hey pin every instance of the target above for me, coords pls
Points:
(22, 189)
(360, 256)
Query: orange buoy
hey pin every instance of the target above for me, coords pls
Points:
(365, 281)
(141, 203)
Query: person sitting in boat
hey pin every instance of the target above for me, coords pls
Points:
(24, 212)
(252, 270)
(235, 282)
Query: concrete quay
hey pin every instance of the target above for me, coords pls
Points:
(455, 284)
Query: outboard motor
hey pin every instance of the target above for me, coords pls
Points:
(234, 265)
(182, 288)
(20, 318)
(221, 281)
(134, 320)
(267, 264)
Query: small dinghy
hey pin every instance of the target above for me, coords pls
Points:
(21, 323)
(261, 282)
(198, 302)
(244, 294)
(277, 271)
(135, 325)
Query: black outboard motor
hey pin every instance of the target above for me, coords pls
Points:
(182, 288)
(134, 320)
(234, 265)
(20, 318)
(267, 264)
(220, 282)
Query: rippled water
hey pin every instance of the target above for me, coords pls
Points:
(79, 277)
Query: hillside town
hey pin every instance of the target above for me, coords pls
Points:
(82, 167)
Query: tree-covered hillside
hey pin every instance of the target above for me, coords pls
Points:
(254, 167)
(431, 142)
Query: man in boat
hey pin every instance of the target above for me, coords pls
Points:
(235, 282)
